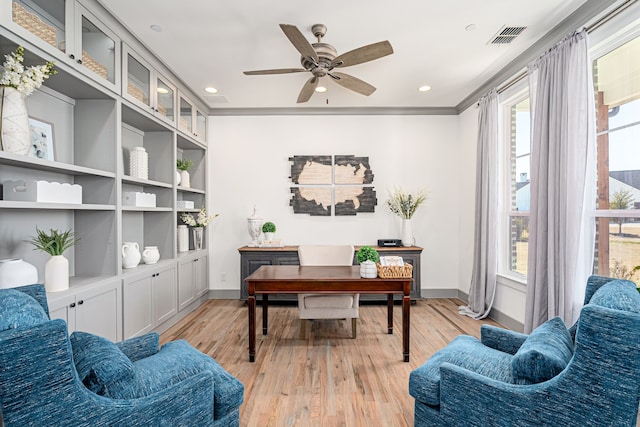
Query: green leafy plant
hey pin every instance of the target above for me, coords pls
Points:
(54, 243)
(268, 227)
(367, 253)
(405, 204)
(183, 164)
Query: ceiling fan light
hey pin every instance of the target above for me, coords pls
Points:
(425, 88)
(211, 89)
(321, 89)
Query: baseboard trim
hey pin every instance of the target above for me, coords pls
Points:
(224, 294)
(506, 321)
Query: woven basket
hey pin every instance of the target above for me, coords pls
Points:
(34, 24)
(94, 65)
(137, 92)
(393, 272)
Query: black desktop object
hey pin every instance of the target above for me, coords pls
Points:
(389, 243)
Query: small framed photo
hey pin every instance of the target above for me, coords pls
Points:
(41, 139)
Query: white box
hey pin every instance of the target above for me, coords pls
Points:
(184, 204)
(42, 191)
(139, 199)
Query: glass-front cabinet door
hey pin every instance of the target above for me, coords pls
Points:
(165, 100)
(185, 123)
(137, 87)
(201, 126)
(42, 22)
(96, 47)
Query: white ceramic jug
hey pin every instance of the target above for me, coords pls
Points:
(150, 254)
(16, 272)
(130, 254)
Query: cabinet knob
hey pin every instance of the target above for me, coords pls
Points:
(73, 304)
(79, 61)
(81, 302)
(72, 56)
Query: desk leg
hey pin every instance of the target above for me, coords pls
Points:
(390, 313)
(265, 313)
(406, 305)
(252, 327)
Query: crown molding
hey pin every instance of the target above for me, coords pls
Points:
(346, 111)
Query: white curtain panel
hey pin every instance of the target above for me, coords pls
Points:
(561, 223)
(485, 258)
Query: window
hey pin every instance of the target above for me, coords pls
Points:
(617, 87)
(516, 188)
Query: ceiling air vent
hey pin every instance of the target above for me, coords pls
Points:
(506, 35)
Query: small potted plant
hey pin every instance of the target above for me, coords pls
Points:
(183, 166)
(368, 257)
(268, 228)
(56, 270)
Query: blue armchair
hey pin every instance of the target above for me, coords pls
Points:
(50, 378)
(588, 375)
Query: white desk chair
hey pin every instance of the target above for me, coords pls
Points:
(325, 306)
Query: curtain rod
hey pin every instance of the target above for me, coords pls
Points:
(597, 24)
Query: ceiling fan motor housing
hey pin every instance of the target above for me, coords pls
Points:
(326, 54)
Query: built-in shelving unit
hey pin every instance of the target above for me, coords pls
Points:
(109, 96)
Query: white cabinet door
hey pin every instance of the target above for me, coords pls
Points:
(137, 305)
(186, 283)
(165, 289)
(201, 273)
(98, 311)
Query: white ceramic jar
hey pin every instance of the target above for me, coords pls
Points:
(183, 238)
(368, 270)
(16, 272)
(130, 254)
(150, 254)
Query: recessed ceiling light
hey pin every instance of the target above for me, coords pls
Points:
(211, 89)
(321, 89)
(156, 28)
(470, 27)
(163, 90)
(424, 88)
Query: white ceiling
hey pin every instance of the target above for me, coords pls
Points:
(210, 43)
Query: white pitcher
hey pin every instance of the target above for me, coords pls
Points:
(130, 254)
(150, 254)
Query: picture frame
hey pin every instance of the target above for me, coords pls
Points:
(42, 143)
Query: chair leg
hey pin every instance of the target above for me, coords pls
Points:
(353, 328)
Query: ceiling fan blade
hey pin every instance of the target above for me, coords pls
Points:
(352, 83)
(274, 71)
(299, 41)
(308, 89)
(363, 54)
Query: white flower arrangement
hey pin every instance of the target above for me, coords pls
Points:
(405, 204)
(24, 79)
(201, 221)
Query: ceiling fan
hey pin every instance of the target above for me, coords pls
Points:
(321, 58)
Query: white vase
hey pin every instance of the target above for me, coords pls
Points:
(185, 179)
(130, 254)
(368, 270)
(15, 134)
(56, 274)
(150, 254)
(178, 177)
(407, 233)
(183, 238)
(16, 272)
(268, 236)
(198, 236)
(139, 163)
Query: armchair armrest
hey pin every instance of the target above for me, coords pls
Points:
(140, 347)
(501, 339)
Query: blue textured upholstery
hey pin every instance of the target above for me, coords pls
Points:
(544, 354)
(600, 386)
(19, 310)
(40, 385)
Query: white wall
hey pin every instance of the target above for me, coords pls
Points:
(248, 161)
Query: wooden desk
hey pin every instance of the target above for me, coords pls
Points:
(253, 258)
(291, 279)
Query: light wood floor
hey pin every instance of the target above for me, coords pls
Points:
(326, 379)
